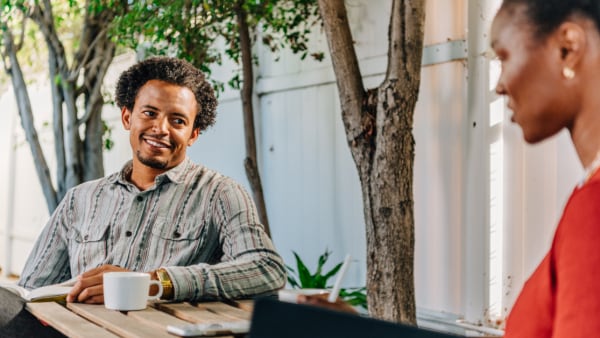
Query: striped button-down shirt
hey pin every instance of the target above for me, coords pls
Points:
(199, 225)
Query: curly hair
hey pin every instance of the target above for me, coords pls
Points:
(171, 70)
(546, 15)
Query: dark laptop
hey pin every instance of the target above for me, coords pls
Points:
(274, 319)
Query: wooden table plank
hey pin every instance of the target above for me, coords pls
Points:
(225, 310)
(193, 314)
(245, 304)
(116, 321)
(66, 321)
(159, 319)
(156, 318)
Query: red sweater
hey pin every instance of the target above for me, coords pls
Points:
(562, 297)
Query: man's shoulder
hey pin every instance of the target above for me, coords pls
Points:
(210, 178)
(94, 184)
(200, 171)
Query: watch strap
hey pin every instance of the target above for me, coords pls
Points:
(167, 284)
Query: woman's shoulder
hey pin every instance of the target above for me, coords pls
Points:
(588, 188)
(586, 197)
(582, 212)
(594, 178)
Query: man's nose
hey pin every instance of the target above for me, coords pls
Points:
(161, 125)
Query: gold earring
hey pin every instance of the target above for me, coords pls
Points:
(568, 73)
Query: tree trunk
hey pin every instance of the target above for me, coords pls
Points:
(390, 232)
(77, 159)
(26, 114)
(100, 53)
(251, 162)
(379, 132)
(57, 126)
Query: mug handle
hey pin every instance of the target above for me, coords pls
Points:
(160, 290)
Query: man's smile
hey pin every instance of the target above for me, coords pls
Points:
(156, 143)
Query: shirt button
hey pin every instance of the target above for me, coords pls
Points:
(176, 234)
(85, 238)
(128, 233)
(139, 198)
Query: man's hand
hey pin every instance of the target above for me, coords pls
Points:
(89, 288)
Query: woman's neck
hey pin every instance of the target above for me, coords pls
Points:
(585, 134)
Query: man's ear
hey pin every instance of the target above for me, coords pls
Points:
(194, 136)
(572, 40)
(126, 118)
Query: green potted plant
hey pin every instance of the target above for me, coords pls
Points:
(302, 278)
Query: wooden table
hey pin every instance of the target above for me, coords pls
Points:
(85, 320)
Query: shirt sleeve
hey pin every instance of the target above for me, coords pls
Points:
(48, 262)
(577, 257)
(249, 266)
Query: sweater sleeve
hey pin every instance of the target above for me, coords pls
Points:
(577, 260)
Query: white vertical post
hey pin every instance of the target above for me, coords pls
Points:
(10, 204)
(476, 230)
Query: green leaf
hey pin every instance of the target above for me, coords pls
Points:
(322, 260)
(319, 282)
(290, 278)
(303, 273)
(108, 144)
(333, 271)
(357, 297)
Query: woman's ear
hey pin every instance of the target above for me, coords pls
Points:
(572, 41)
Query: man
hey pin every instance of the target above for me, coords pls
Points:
(189, 227)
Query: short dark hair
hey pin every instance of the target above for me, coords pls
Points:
(171, 70)
(546, 15)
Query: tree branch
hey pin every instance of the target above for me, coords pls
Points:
(59, 145)
(26, 114)
(405, 39)
(19, 44)
(44, 19)
(94, 29)
(79, 64)
(345, 65)
(95, 93)
(251, 161)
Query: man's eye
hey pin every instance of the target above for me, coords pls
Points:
(148, 113)
(178, 121)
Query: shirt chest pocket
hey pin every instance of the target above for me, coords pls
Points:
(89, 234)
(180, 244)
(88, 246)
(182, 232)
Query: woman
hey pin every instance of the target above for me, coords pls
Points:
(550, 55)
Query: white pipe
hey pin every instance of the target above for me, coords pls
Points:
(10, 201)
(476, 175)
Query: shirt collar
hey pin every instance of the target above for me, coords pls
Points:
(175, 174)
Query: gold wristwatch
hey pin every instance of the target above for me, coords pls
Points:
(165, 281)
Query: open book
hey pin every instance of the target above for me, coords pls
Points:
(48, 293)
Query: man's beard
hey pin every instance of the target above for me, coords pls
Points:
(152, 163)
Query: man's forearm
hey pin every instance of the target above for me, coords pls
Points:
(259, 273)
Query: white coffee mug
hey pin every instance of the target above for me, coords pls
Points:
(126, 291)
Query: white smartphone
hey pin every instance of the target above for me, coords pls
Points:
(209, 329)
